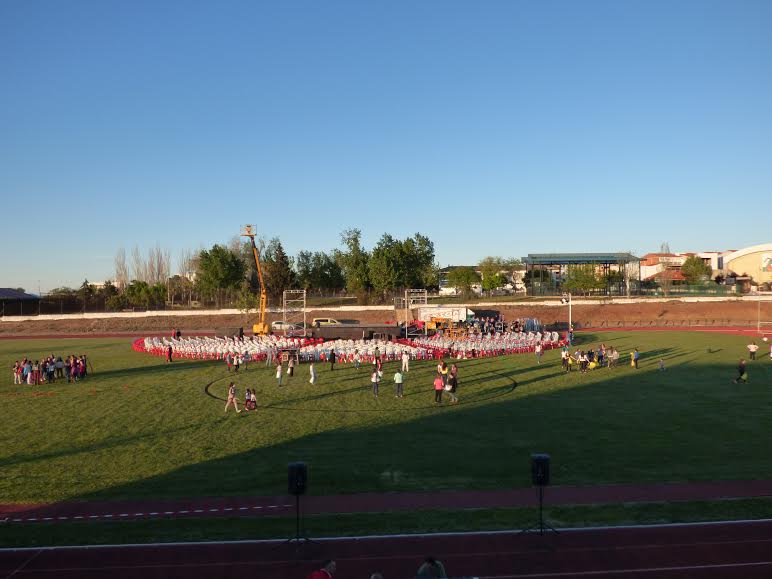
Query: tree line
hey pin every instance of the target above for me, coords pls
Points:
(226, 275)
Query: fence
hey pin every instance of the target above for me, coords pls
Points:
(691, 290)
(611, 290)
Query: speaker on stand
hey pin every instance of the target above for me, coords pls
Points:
(297, 483)
(540, 478)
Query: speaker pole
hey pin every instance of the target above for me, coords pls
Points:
(540, 475)
(297, 475)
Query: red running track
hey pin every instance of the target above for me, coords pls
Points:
(678, 551)
(381, 502)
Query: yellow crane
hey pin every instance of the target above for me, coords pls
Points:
(261, 327)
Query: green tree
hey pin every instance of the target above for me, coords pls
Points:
(117, 303)
(419, 269)
(87, 292)
(137, 294)
(219, 270)
(318, 271)
(353, 261)
(277, 269)
(386, 265)
(490, 269)
(582, 279)
(246, 299)
(396, 264)
(695, 270)
(108, 290)
(497, 271)
(463, 278)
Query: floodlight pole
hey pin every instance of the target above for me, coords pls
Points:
(570, 322)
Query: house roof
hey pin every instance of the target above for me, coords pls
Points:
(578, 258)
(674, 275)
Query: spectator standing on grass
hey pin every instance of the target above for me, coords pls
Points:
(452, 384)
(398, 381)
(564, 355)
(312, 372)
(327, 571)
(752, 349)
(59, 367)
(332, 358)
(232, 398)
(16, 372)
(405, 361)
(538, 350)
(357, 359)
(278, 372)
(438, 387)
(375, 379)
(431, 567)
(742, 373)
(169, 354)
(291, 366)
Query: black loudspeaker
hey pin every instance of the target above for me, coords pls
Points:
(297, 478)
(540, 469)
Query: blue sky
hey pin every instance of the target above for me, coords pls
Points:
(495, 128)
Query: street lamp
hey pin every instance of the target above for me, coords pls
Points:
(566, 299)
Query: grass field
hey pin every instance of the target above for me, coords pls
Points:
(139, 428)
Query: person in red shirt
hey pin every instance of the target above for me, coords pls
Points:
(326, 572)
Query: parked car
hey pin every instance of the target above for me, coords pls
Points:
(324, 322)
(280, 326)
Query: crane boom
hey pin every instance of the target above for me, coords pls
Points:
(261, 327)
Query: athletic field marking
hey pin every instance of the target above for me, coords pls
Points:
(628, 571)
(381, 537)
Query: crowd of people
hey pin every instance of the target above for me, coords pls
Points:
(50, 369)
(481, 325)
(592, 358)
(429, 568)
(495, 344)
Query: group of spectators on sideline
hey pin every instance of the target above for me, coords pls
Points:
(429, 568)
(49, 370)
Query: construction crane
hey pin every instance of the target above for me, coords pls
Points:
(261, 327)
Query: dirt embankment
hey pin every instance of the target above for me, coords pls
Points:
(164, 324)
(734, 313)
(730, 313)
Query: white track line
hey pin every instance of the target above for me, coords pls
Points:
(381, 537)
(616, 572)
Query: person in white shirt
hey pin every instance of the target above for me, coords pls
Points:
(375, 378)
(752, 349)
(398, 381)
(405, 362)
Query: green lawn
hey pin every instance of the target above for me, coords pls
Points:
(140, 428)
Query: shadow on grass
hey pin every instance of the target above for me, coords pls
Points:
(608, 426)
(113, 443)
